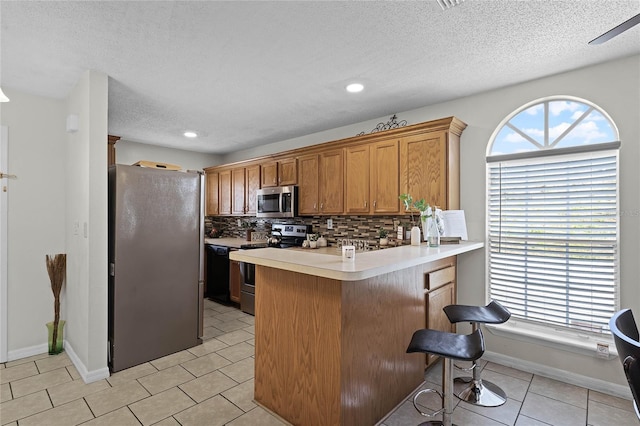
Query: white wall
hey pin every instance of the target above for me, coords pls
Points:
(86, 227)
(36, 200)
(613, 86)
(128, 152)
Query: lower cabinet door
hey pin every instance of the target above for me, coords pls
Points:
(436, 318)
(234, 280)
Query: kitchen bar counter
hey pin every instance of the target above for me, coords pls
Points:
(327, 262)
(331, 336)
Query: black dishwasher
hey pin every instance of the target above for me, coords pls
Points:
(218, 273)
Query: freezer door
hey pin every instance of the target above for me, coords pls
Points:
(155, 239)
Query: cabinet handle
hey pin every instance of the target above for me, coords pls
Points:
(374, 204)
(315, 206)
(365, 204)
(321, 206)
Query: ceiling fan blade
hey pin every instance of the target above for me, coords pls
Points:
(617, 30)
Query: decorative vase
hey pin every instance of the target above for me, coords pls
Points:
(322, 241)
(433, 235)
(384, 241)
(415, 236)
(313, 244)
(407, 234)
(59, 339)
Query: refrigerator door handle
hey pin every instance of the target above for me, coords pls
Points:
(202, 260)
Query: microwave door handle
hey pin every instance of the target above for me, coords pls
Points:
(282, 200)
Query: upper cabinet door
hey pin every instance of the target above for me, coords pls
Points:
(331, 182)
(357, 169)
(269, 174)
(423, 162)
(308, 182)
(225, 192)
(238, 205)
(211, 186)
(385, 177)
(287, 171)
(252, 177)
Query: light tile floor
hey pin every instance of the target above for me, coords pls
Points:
(212, 384)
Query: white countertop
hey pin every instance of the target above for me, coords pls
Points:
(326, 263)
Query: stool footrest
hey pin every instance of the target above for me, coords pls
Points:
(428, 390)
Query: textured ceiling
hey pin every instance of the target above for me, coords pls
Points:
(244, 74)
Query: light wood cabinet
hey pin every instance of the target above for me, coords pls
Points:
(245, 183)
(234, 280)
(279, 173)
(238, 206)
(269, 174)
(361, 175)
(440, 291)
(430, 169)
(372, 178)
(357, 170)
(308, 184)
(385, 177)
(252, 180)
(331, 182)
(224, 180)
(212, 191)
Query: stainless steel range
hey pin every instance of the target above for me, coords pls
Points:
(282, 236)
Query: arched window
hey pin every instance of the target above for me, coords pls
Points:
(552, 212)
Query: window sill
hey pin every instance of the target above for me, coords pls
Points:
(553, 338)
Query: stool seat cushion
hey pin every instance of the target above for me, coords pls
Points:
(465, 347)
(493, 313)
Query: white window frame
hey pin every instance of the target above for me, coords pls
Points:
(572, 340)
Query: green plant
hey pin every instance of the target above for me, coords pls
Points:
(247, 224)
(382, 233)
(412, 205)
(313, 237)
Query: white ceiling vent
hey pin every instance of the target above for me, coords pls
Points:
(447, 4)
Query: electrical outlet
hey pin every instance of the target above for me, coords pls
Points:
(602, 350)
(239, 222)
(329, 223)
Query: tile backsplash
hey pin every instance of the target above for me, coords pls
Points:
(361, 227)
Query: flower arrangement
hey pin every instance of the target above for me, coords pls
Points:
(313, 237)
(383, 233)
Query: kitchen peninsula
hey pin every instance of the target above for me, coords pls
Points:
(331, 335)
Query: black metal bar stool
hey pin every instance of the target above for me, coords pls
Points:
(462, 347)
(475, 390)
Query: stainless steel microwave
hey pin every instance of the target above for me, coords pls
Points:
(280, 201)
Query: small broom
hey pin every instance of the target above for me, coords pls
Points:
(57, 268)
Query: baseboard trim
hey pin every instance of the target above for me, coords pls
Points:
(609, 388)
(87, 376)
(27, 352)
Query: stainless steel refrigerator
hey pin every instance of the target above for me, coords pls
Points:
(156, 243)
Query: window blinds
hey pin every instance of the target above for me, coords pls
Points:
(553, 252)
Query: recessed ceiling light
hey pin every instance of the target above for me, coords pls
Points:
(355, 88)
(190, 134)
